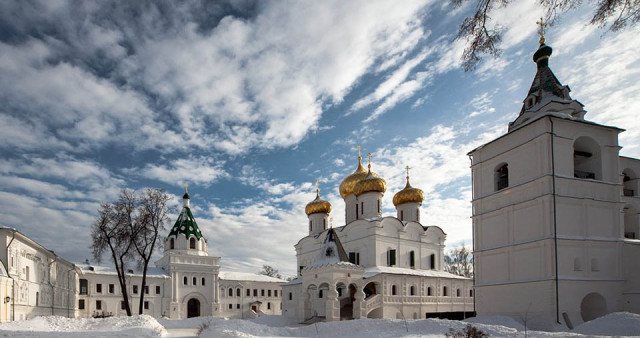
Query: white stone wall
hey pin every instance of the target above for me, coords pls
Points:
(245, 294)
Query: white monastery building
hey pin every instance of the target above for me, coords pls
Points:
(374, 266)
(186, 282)
(555, 214)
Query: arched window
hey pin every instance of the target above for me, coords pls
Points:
(445, 291)
(470, 293)
(394, 290)
(412, 290)
(586, 159)
(432, 261)
(379, 206)
(310, 225)
(418, 215)
(356, 210)
(171, 244)
(501, 176)
(457, 292)
(629, 183)
(26, 273)
(238, 292)
(402, 215)
(185, 281)
(361, 208)
(429, 291)
(230, 292)
(412, 259)
(324, 224)
(203, 279)
(192, 243)
(195, 281)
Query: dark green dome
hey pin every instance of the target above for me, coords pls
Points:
(186, 225)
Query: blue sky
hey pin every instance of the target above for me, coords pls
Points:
(252, 102)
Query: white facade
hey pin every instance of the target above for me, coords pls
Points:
(34, 281)
(186, 282)
(388, 268)
(555, 214)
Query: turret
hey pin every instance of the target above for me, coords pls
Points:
(318, 213)
(369, 192)
(408, 202)
(185, 236)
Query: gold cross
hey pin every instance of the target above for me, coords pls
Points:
(317, 185)
(542, 25)
(186, 187)
(359, 154)
(407, 167)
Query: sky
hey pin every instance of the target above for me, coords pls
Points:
(251, 102)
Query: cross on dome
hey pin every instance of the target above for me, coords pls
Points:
(369, 155)
(541, 26)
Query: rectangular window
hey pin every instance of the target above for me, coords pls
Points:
(112, 288)
(268, 306)
(255, 292)
(354, 257)
(300, 269)
(238, 306)
(81, 304)
(98, 305)
(203, 281)
(230, 306)
(391, 257)
(146, 289)
(146, 305)
(320, 293)
(356, 211)
(432, 261)
(378, 206)
(248, 292)
(290, 296)
(99, 288)
(361, 208)
(83, 286)
(262, 293)
(275, 293)
(135, 289)
(268, 293)
(122, 305)
(157, 289)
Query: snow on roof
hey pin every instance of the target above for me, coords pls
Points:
(110, 270)
(294, 281)
(248, 276)
(376, 270)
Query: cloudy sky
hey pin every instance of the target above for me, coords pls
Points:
(251, 102)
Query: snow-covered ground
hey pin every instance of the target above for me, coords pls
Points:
(615, 324)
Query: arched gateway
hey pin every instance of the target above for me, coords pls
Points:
(193, 308)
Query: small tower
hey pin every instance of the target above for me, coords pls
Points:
(408, 202)
(352, 208)
(185, 236)
(318, 212)
(369, 192)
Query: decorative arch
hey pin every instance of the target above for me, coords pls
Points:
(587, 159)
(593, 306)
(192, 243)
(631, 221)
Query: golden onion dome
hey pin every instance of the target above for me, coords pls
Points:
(370, 183)
(318, 205)
(408, 195)
(348, 183)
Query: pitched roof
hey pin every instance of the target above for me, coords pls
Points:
(186, 225)
(332, 252)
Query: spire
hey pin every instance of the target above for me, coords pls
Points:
(408, 185)
(186, 224)
(546, 94)
(185, 197)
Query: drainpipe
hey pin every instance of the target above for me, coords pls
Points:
(555, 220)
(13, 280)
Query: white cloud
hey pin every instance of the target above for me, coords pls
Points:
(202, 170)
(481, 104)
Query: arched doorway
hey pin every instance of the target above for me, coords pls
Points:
(193, 308)
(593, 306)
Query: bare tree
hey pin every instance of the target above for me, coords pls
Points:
(270, 271)
(150, 219)
(459, 262)
(483, 37)
(111, 232)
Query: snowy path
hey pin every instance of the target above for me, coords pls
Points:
(182, 333)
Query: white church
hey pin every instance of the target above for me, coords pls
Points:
(186, 282)
(374, 266)
(556, 229)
